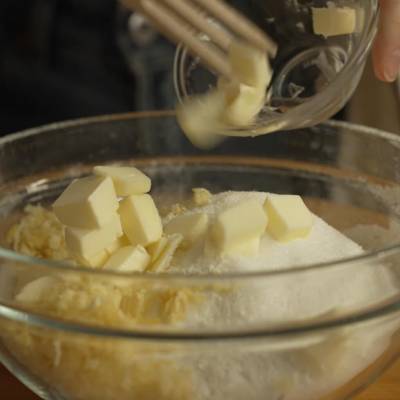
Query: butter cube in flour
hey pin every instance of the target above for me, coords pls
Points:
(122, 241)
(288, 217)
(87, 243)
(333, 21)
(140, 219)
(155, 249)
(237, 225)
(87, 203)
(37, 289)
(129, 259)
(127, 180)
(164, 259)
(95, 261)
(249, 248)
(201, 196)
(191, 226)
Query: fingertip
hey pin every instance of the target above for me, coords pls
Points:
(378, 62)
(386, 51)
(386, 59)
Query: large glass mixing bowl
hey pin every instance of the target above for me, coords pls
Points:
(313, 75)
(85, 350)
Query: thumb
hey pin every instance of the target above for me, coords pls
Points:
(386, 53)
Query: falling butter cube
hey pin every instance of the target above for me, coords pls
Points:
(129, 259)
(191, 226)
(87, 243)
(87, 203)
(95, 261)
(140, 219)
(244, 104)
(33, 291)
(288, 217)
(199, 118)
(237, 225)
(127, 180)
(333, 21)
(249, 65)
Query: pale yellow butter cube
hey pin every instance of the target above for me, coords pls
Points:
(248, 248)
(95, 261)
(140, 219)
(244, 104)
(200, 119)
(87, 243)
(288, 217)
(237, 225)
(115, 225)
(191, 226)
(163, 261)
(155, 249)
(333, 21)
(201, 196)
(129, 259)
(122, 241)
(34, 291)
(249, 65)
(127, 180)
(87, 203)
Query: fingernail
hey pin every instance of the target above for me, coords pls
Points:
(392, 67)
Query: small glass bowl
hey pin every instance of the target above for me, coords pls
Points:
(314, 76)
(87, 350)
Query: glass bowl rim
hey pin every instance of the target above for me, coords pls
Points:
(20, 315)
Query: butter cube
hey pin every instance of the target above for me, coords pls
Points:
(199, 118)
(140, 219)
(288, 216)
(33, 291)
(116, 224)
(191, 226)
(95, 261)
(249, 248)
(87, 203)
(87, 243)
(244, 105)
(237, 225)
(122, 241)
(333, 21)
(129, 259)
(163, 261)
(249, 65)
(127, 180)
(155, 249)
(201, 196)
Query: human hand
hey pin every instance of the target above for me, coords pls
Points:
(386, 53)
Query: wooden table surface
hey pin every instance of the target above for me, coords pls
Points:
(386, 388)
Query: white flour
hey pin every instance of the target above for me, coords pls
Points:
(278, 372)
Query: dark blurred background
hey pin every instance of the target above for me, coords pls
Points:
(63, 59)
